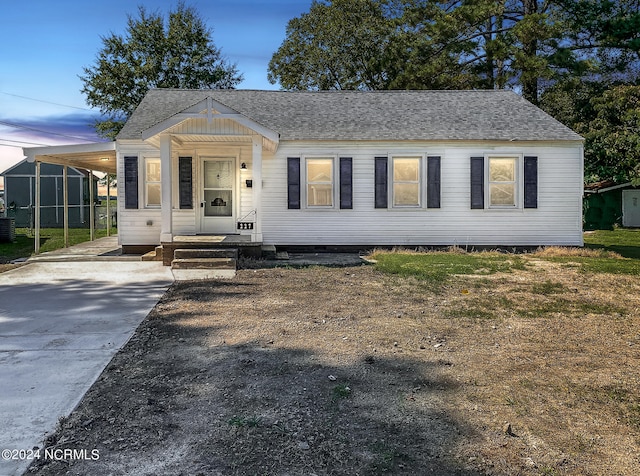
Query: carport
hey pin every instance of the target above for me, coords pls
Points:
(94, 157)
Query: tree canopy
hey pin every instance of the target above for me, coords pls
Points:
(337, 45)
(613, 138)
(154, 53)
(578, 59)
(418, 44)
(451, 44)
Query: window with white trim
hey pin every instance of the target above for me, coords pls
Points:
(320, 182)
(152, 193)
(406, 181)
(503, 181)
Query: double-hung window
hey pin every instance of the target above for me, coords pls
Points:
(507, 182)
(502, 181)
(406, 181)
(320, 182)
(152, 195)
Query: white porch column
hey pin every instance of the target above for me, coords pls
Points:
(166, 180)
(257, 187)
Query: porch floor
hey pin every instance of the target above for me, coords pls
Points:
(215, 239)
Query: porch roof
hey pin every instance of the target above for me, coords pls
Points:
(97, 156)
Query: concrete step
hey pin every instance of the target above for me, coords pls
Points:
(184, 269)
(187, 253)
(200, 274)
(203, 263)
(155, 255)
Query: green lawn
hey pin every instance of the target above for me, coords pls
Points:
(50, 239)
(598, 256)
(435, 268)
(623, 241)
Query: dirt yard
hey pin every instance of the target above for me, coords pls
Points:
(348, 371)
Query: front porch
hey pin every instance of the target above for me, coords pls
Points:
(202, 171)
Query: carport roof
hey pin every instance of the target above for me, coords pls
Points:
(97, 156)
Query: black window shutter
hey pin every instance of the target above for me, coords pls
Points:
(433, 182)
(131, 182)
(477, 182)
(185, 183)
(346, 182)
(293, 183)
(530, 182)
(381, 191)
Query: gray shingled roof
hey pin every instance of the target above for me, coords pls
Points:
(374, 115)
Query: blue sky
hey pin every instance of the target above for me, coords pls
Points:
(44, 44)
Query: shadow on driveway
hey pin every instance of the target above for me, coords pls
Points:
(60, 324)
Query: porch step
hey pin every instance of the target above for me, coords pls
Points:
(205, 253)
(242, 244)
(204, 263)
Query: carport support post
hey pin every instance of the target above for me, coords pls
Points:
(92, 211)
(108, 210)
(37, 217)
(65, 193)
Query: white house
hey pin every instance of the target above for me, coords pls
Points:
(345, 169)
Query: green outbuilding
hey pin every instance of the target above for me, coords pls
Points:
(607, 204)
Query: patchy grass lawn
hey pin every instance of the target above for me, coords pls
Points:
(436, 268)
(498, 365)
(425, 363)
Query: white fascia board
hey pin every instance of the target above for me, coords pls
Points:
(254, 126)
(608, 189)
(32, 152)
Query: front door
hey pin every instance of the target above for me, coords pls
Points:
(631, 208)
(217, 204)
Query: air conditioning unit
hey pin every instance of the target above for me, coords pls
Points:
(7, 230)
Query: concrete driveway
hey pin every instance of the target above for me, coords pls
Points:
(61, 321)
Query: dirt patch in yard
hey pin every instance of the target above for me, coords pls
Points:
(9, 266)
(351, 371)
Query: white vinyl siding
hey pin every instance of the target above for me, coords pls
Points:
(136, 226)
(556, 220)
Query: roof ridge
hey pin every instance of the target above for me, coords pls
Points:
(339, 91)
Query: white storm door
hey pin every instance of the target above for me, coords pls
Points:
(218, 197)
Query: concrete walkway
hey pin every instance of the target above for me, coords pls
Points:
(62, 318)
